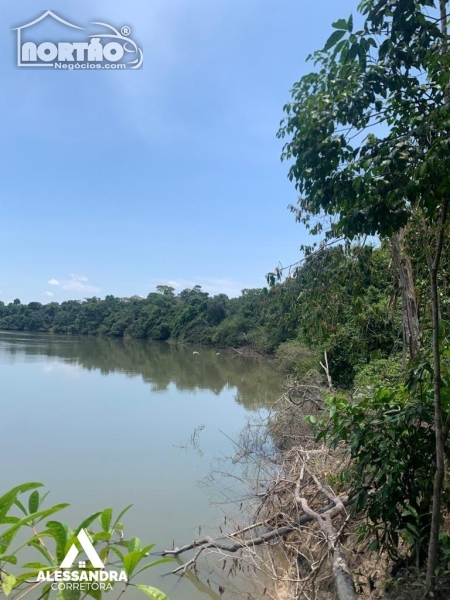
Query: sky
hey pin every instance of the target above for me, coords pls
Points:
(113, 182)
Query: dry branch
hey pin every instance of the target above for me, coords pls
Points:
(344, 581)
(227, 543)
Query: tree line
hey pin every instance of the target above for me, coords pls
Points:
(317, 309)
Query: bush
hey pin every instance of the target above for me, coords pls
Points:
(382, 371)
(389, 432)
(296, 358)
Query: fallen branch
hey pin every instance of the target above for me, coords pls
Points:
(227, 543)
(344, 581)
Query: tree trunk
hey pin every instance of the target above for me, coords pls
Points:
(439, 474)
(433, 548)
(410, 317)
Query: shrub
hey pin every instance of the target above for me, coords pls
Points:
(296, 358)
(390, 438)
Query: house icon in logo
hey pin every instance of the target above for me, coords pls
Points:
(89, 550)
(48, 13)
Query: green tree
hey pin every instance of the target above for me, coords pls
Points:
(369, 135)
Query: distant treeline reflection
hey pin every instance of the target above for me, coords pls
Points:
(159, 363)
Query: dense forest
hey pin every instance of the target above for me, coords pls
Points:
(336, 300)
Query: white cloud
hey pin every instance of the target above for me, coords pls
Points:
(49, 294)
(79, 277)
(76, 283)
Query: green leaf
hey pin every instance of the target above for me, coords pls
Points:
(85, 524)
(9, 520)
(8, 582)
(131, 560)
(134, 544)
(350, 23)
(10, 533)
(46, 591)
(45, 553)
(154, 593)
(160, 561)
(19, 504)
(59, 533)
(33, 502)
(340, 24)
(334, 39)
(126, 509)
(118, 553)
(11, 559)
(106, 518)
(8, 499)
(96, 594)
(103, 536)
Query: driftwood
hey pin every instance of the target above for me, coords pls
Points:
(231, 543)
(344, 582)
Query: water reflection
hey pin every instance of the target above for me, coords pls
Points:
(118, 413)
(158, 363)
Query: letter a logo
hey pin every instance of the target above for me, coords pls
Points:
(89, 549)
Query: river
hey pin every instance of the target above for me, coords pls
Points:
(109, 422)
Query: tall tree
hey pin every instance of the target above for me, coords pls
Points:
(369, 143)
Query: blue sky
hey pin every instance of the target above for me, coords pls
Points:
(115, 181)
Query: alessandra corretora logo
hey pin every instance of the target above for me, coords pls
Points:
(51, 41)
(84, 578)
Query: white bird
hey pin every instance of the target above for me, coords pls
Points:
(196, 353)
(217, 353)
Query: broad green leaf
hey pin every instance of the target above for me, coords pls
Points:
(122, 512)
(9, 520)
(334, 39)
(96, 594)
(154, 593)
(340, 24)
(8, 499)
(104, 553)
(59, 532)
(131, 560)
(118, 553)
(85, 524)
(350, 23)
(10, 533)
(104, 536)
(134, 544)
(45, 553)
(19, 504)
(8, 582)
(160, 561)
(9, 558)
(46, 591)
(106, 518)
(33, 502)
